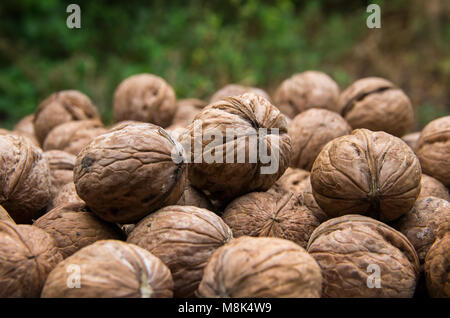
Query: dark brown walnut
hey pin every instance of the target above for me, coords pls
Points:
(306, 198)
(26, 125)
(129, 172)
(186, 111)
(67, 194)
(73, 136)
(74, 227)
(27, 255)
(363, 257)
(4, 215)
(437, 264)
(370, 173)
(183, 237)
(266, 214)
(236, 90)
(110, 269)
(193, 197)
(412, 139)
(291, 181)
(62, 107)
(261, 267)
(433, 149)
(238, 145)
(432, 187)
(302, 91)
(421, 223)
(30, 138)
(61, 165)
(24, 179)
(146, 98)
(310, 131)
(376, 104)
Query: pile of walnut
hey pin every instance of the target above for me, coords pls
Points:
(355, 208)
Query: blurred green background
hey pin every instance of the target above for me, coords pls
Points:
(199, 46)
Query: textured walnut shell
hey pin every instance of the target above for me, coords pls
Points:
(346, 247)
(437, 267)
(146, 98)
(193, 197)
(187, 109)
(27, 255)
(432, 187)
(244, 115)
(73, 228)
(236, 90)
(31, 138)
(4, 215)
(420, 224)
(111, 269)
(67, 194)
(266, 214)
(376, 104)
(73, 136)
(183, 237)
(433, 149)
(310, 89)
(291, 181)
(310, 131)
(306, 198)
(61, 165)
(62, 107)
(412, 139)
(370, 173)
(129, 172)
(261, 267)
(24, 179)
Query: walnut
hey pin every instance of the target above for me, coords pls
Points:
(371, 173)
(310, 131)
(129, 172)
(25, 125)
(27, 255)
(376, 104)
(24, 178)
(183, 237)
(310, 89)
(74, 227)
(261, 267)
(186, 111)
(30, 138)
(433, 149)
(4, 216)
(73, 136)
(266, 214)
(67, 194)
(110, 269)
(306, 198)
(420, 224)
(146, 98)
(432, 187)
(228, 167)
(61, 165)
(290, 181)
(194, 197)
(62, 107)
(236, 90)
(349, 249)
(412, 139)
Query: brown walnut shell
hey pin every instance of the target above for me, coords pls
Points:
(187, 109)
(306, 198)
(291, 181)
(183, 237)
(243, 116)
(265, 214)
(349, 249)
(231, 90)
(73, 228)
(377, 104)
(261, 267)
(146, 98)
(24, 178)
(110, 269)
(433, 149)
(32, 139)
(193, 197)
(310, 131)
(370, 173)
(302, 91)
(61, 165)
(129, 172)
(27, 255)
(4, 215)
(62, 107)
(67, 194)
(26, 125)
(412, 139)
(431, 187)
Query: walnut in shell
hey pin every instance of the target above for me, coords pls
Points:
(26, 125)
(362, 257)
(291, 181)
(67, 194)
(146, 98)
(370, 173)
(236, 90)
(433, 149)
(30, 138)
(27, 255)
(129, 172)
(261, 267)
(110, 269)
(187, 109)
(310, 89)
(192, 196)
(4, 215)
(376, 104)
(238, 145)
(24, 179)
(62, 107)
(183, 237)
(306, 198)
(74, 227)
(266, 214)
(61, 165)
(432, 187)
(310, 131)
(412, 139)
